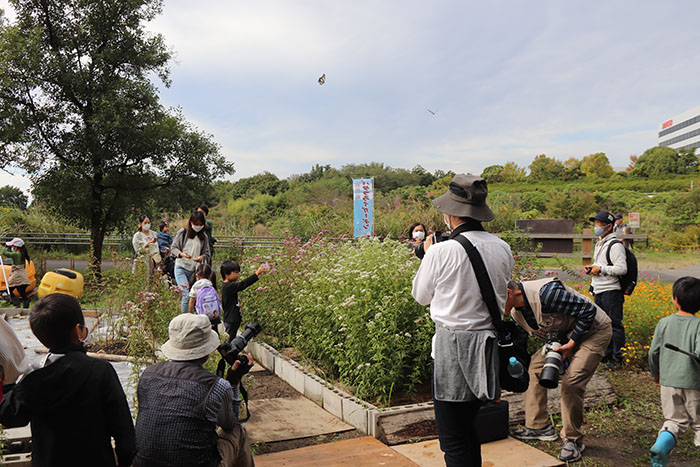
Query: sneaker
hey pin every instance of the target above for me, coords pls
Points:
(543, 434)
(571, 451)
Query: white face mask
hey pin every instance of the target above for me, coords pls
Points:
(197, 228)
(598, 231)
(446, 220)
(419, 235)
(146, 227)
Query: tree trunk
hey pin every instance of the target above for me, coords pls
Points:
(96, 242)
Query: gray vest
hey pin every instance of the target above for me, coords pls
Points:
(172, 429)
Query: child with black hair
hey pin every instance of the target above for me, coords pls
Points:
(165, 238)
(75, 403)
(678, 374)
(231, 272)
(18, 279)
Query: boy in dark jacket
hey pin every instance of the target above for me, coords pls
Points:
(231, 272)
(75, 403)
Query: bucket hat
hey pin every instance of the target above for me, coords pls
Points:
(603, 216)
(18, 242)
(191, 337)
(465, 197)
(12, 356)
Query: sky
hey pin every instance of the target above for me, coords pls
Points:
(508, 80)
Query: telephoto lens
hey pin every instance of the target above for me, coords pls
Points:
(549, 378)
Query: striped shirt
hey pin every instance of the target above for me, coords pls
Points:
(556, 299)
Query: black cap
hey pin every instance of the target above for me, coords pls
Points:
(603, 216)
(618, 216)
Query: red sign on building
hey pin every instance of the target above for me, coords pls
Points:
(666, 124)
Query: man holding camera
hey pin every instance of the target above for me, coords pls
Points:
(465, 356)
(609, 263)
(181, 404)
(576, 333)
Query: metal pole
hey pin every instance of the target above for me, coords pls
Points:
(4, 276)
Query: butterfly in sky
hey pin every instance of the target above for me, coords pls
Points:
(322, 79)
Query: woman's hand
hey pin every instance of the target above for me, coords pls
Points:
(184, 254)
(198, 259)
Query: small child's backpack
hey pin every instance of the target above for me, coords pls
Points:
(208, 302)
(628, 281)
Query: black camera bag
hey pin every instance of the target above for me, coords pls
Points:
(512, 340)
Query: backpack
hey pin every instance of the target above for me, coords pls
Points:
(208, 302)
(628, 281)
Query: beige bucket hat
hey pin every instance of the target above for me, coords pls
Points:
(191, 337)
(466, 197)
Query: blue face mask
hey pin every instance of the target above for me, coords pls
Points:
(598, 231)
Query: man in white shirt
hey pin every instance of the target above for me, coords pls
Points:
(605, 282)
(465, 356)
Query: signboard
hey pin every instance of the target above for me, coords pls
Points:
(666, 124)
(633, 220)
(363, 201)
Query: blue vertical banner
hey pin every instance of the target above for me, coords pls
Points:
(363, 199)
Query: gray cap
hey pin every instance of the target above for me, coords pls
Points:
(466, 197)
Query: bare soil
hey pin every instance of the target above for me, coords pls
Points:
(110, 347)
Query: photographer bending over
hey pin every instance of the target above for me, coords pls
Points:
(575, 331)
(181, 404)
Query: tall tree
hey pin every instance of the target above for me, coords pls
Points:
(597, 165)
(80, 114)
(661, 161)
(12, 197)
(545, 168)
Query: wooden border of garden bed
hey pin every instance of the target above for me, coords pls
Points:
(395, 425)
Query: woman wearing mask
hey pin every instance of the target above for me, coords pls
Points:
(416, 234)
(18, 279)
(145, 243)
(190, 248)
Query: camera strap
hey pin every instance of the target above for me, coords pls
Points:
(482, 277)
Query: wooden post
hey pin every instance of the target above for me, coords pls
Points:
(72, 264)
(587, 248)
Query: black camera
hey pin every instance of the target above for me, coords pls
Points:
(549, 378)
(437, 238)
(230, 351)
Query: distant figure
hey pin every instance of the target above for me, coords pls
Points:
(322, 79)
(165, 239)
(18, 279)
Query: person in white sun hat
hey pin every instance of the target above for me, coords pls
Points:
(188, 416)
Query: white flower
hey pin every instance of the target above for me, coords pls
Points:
(407, 335)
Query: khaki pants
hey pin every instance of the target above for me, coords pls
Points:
(573, 383)
(681, 408)
(234, 448)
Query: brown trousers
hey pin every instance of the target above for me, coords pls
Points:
(583, 364)
(234, 448)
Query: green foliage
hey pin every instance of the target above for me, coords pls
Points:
(573, 204)
(347, 306)
(661, 161)
(572, 169)
(512, 173)
(139, 309)
(13, 197)
(596, 165)
(79, 113)
(264, 183)
(493, 173)
(545, 168)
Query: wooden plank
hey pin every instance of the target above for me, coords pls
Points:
(502, 453)
(365, 451)
(282, 419)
